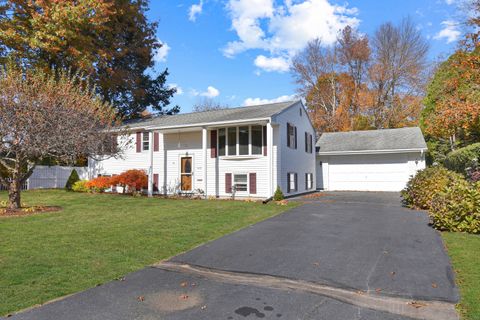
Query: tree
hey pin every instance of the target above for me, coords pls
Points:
(48, 115)
(452, 102)
(397, 74)
(109, 40)
(208, 104)
(357, 86)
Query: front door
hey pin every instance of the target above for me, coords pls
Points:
(186, 173)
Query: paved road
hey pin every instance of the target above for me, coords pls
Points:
(357, 241)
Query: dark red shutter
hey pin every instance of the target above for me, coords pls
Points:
(156, 141)
(306, 141)
(139, 142)
(213, 144)
(155, 182)
(288, 182)
(288, 134)
(228, 183)
(264, 141)
(253, 183)
(295, 137)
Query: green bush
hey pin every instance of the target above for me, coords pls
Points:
(427, 183)
(72, 179)
(457, 208)
(463, 158)
(278, 195)
(80, 186)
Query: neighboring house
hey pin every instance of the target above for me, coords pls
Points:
(376, 160)
(248, 151)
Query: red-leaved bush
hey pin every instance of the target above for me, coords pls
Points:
(99, 184)
(134, 179)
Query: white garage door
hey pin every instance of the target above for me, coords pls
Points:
(379, 172)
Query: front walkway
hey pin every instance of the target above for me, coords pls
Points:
(340, 256)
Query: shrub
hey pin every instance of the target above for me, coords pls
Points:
(99, 184)
(457, 208)
(72, 179)
(278, 195)
(134, 180)
(80, 186)
(462, 159)
(427, 183)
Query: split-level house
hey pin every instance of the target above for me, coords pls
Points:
(245, 151)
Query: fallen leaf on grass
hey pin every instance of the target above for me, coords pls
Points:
(141, 298)
(434, 285)
(184, 297)
(392, 273)
(184, 284)
(378, 290)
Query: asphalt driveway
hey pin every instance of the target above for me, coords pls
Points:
(357, 242)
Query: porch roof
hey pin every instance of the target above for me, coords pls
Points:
(218, 117)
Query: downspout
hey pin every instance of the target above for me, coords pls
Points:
(150, 163)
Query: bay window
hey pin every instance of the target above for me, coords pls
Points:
(232, 141)
(240, 141)
(222, 139)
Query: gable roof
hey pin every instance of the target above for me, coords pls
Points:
(371, 141)
(211, 117)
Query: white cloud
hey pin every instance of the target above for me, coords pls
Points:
(255, 101)
(211, 92)
(161, 54)
(176, 86)
(195, 10)
(449, 2)
(272, 64)
(284, 29)
(450, 31)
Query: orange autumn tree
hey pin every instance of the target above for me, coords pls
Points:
(453, 96)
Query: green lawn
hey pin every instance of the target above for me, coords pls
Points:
(464, 251)
(97, 238)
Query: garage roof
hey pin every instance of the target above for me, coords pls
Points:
(372, 141)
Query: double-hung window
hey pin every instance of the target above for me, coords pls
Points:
(291, 136)
(308, 181)
(145, 141)
(240, 182)
(308, 142)
(292, 182)
(240, 141)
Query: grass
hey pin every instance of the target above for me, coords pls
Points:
(464, 251)
(97, 238)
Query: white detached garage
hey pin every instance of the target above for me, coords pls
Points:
(375, 160)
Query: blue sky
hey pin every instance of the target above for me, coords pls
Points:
(237, 51)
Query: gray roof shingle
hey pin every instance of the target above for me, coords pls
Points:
(214, 116)
(372, 140)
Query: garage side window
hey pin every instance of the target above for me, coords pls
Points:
(291, 182)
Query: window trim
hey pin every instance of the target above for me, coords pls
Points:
(145, 134)
(247, 183)
(237, 155)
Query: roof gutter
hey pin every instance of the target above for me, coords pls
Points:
(335, 153)
(202, 124)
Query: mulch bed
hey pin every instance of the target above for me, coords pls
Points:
(27, 211)
(315, 195)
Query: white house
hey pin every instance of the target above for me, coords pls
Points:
(248, 151)
(376, 160)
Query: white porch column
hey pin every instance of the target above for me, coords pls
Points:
(270, 157)
(150, 164)
(205, 157)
